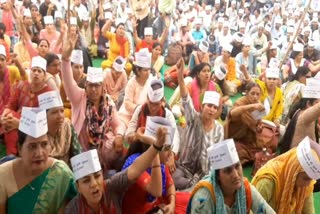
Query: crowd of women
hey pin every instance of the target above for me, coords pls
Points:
(243, 83)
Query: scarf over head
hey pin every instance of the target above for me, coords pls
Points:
(283, 171)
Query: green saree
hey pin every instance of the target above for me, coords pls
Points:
(45, 194)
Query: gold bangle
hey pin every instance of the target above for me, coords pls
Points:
(155, 166)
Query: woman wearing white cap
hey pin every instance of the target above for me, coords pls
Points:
(200, 55)
(296, 60)
(287, 181)
(61, 134)
(311, 53)
(224, 189)
(115, 80)
(51, 34)
(105, 196)
(119, 44)
(201, 132)
(24, 94)
(94, 116)
(34, 182)
(136, 89)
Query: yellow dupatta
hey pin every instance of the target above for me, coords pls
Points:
(283, 170)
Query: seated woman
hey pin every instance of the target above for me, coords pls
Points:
(286, 182)
(303, 122)
(296, 60)
(241, 125)
(154, 106)
(41, 183)
(53, 71)
(224, 189)
(51, 34)
(24, 94)
(11, 75)
(119, 45)
(79, 76)
(105, 196)
(61, 134)
(157, 60)
(154, 187)
(115, 80)
(137, 87)
(202, 131)
(270, 93)
(199, 56)
(200, 83)
(94, 116)
(231, 81)
(292, 91)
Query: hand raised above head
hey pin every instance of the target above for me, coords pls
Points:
(68, 45)
(161, 136)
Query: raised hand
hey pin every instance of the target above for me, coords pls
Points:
(68, 45)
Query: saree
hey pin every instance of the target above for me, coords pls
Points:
(45, 194)
(243, 130)
(283, 171)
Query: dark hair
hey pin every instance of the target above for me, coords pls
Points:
(34, 6)
(120, 24)
(45, 41)
(156, 44)
(50, 57)
(21, 138)
(294, 54)
(136, 147)
(136, 69)
(251, 85)
(197, 69)
(294, 113)
(301, 71)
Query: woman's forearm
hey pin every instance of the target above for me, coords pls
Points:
(155, 185)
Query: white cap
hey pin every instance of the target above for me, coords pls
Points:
(120, 21)
(208, 7)
(233, 2)
(197, 21)
(57, 14)
(311, 43)
(204, 46)
(95, 75)
(227, 47)
(77, 57)
(119, 67)
(247, 41)
(217, 1)
(85, 16)
(247, 4)
(278, 21)
(108, 15)
(242, 24)
(33, 122)
(220, 20)
(129, 10)
(107, 6)
(148, 31)
(158, 94)
(143, 58)
(211, 97)
(48, 20)
(49, 100)
(183, 23)
(73, 21)
(238, 37)
(3, 51)
(85, 164)
(223, 154)
(220, 72)
(27, 13)
(226, 24)
(240, 11)
(306, 152)
(39, 62)
(290, 29)
(306, 29)
(297, 47)
(272, 73)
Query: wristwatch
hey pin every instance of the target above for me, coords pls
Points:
(158, 148)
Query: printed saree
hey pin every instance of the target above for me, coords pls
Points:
(45, 194)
